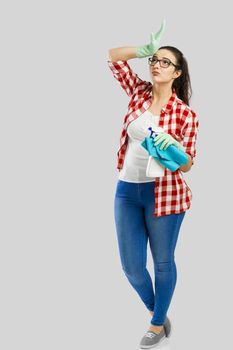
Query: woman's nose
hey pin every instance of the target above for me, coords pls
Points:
(157, 63)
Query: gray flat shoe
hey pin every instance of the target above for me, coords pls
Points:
(167, 327)
(152, 339)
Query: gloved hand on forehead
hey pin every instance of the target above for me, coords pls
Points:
(166, 140)
(150, 49)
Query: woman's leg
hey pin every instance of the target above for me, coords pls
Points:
(163, 234)
(132, 240)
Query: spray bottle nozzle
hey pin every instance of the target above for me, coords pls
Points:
(152, 132)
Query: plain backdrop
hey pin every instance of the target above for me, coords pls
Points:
(61, 282)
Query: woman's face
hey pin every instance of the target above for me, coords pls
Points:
(162, 74)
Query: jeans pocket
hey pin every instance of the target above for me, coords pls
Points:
(121, 188)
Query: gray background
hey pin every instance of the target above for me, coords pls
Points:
(62, 111)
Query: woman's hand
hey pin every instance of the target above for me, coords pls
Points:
(166, 140)
(150, 49)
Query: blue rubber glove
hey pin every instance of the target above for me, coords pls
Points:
(167, 140)
(150, 49)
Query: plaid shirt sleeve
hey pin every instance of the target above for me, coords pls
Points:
(189, 132)
(124, 74)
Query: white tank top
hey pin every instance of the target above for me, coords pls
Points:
(136, 156)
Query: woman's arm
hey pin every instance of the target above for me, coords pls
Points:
(122, 53)
(189, 131)
(129, 80)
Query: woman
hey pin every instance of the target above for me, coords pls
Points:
(152, 208)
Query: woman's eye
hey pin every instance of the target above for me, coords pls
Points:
(166, 61)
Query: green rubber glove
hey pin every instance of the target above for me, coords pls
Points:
(167, 140)
(150, 49)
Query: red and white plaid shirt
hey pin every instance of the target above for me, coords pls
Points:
(172, 194)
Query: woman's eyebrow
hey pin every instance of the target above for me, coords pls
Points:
(162, 57)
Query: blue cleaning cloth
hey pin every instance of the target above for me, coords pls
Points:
(172, 158)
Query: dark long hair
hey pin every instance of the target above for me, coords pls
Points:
(182, 84)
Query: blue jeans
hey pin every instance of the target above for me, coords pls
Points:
(135, 223)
